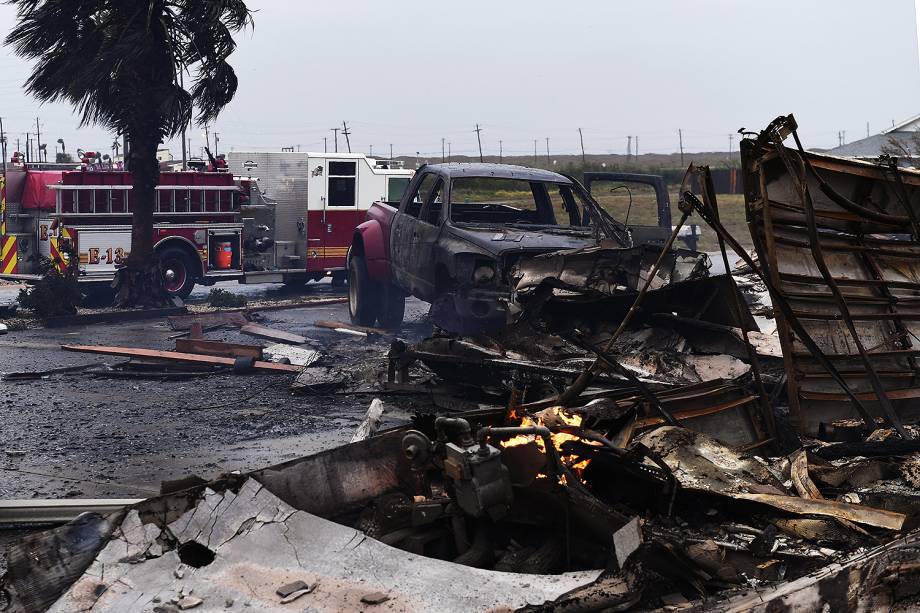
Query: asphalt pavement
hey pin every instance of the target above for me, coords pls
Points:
(76, 435)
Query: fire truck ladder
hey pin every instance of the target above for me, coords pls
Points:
(114, 200)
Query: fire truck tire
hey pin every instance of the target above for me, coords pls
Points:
(364, 295)
(179, 271)
(394, 307)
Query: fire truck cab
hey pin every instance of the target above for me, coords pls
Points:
(272, 217)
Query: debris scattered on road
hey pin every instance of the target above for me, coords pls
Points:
(218, 348)
(133, 352)
(278, 336)
(289, 354)
(371, 421)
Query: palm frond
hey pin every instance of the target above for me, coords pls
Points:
(117, 61)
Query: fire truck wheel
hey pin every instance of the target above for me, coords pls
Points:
(178, 272)
(364, 295)
(394, 307)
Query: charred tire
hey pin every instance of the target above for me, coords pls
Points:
(393, 307)
(364, 296)
(179, 271)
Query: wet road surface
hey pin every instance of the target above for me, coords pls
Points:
(77, 435)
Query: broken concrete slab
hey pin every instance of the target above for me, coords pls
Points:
(261, 542)
(298, 356)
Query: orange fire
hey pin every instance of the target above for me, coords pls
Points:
(554, 416)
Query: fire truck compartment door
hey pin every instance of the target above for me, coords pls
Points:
(340, 214)
(101, 249)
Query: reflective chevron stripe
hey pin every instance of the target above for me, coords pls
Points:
(8, 255)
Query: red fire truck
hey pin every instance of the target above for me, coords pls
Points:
(274, 217)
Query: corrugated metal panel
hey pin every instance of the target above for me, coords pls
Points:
(283, 178)
(875, 264)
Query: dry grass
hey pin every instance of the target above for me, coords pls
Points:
(644, 211)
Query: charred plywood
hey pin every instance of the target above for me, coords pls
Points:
(840, 243)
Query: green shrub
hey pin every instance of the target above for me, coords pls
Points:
(222, 298)
(54, 295)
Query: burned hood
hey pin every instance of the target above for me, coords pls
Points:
(498, 240)
(605, 270)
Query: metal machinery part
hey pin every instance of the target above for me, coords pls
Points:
(482, 484)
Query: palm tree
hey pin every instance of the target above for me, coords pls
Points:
(121, 63)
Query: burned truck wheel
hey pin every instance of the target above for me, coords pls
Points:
(394, 307)
(179, 272)
(364, 296)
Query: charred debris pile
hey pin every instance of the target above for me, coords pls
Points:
(693, 434)
(648, 437)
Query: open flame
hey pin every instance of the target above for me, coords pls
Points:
(553, 416)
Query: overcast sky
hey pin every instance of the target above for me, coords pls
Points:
(410, 73)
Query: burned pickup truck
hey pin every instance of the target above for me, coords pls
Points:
(460, 235)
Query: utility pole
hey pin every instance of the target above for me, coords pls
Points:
(628, 147)
(479, 140)
(581, 139)
(442, 150)
(217, 141)
(391, 151)
(38, 139)
(335, 131)
(448, 151)
(325, 144)
(207, 137)
(680, 135)
(844, 137)
(534, 152)
(500, 152)
(345, 132)
(547, 150)
(28, 148)
(3, 148)
(637, 145)
(371, 152)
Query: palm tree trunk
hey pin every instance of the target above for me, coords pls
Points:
(140, 282)
(146, 174)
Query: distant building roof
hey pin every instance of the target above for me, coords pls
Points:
(877, 144)
(908, 125)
